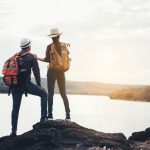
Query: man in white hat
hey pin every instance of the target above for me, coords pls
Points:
(53, 75)
(27, 62)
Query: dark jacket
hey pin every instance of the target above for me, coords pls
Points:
(31, 63)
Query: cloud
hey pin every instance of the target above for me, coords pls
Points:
(105, 35)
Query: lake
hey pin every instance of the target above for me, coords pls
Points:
(96, 112)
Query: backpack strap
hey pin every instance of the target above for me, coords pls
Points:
(65, 44)
(18, 54)
(9, 90)
(24, 54)
(26, 94)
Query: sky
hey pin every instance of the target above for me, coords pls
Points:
(110, 39)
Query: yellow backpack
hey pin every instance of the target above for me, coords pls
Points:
(59, 62)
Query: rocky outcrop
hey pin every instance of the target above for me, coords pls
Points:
(64, 135)
(140, 140)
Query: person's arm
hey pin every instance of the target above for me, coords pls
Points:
(36, 71)
(47, 56)
(41, 59)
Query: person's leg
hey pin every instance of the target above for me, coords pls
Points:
(38, 91)
(62, 90)
(17, 96)
(50, 84)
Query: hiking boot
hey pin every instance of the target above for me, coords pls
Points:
(13, 134)
(68, 117)
(42, 119)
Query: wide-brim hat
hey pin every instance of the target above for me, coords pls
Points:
(54, 32)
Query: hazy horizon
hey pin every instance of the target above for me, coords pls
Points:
(109, 38)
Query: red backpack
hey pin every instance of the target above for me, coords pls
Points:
(11, 70)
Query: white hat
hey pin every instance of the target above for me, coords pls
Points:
(25, 42)
(54, 32)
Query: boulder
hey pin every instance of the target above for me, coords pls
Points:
(64, 135)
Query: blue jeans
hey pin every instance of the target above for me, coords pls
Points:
(52, 76)
(17, 93)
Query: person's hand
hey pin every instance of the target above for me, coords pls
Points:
(38, 58)
(35, 56)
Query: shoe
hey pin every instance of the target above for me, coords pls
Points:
(68, 117)
(49, 118)
(13, 134)
(42, 119)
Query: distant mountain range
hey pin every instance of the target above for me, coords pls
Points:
(114, 91)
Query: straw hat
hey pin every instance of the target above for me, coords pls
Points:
(54, 32)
